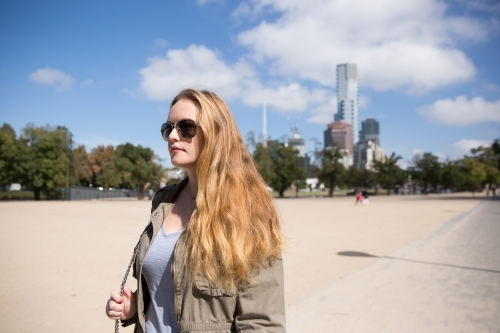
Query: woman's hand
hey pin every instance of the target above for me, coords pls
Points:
(121, 307)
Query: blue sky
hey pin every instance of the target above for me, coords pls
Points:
(428, 70)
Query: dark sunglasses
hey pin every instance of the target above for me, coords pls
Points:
(185, 127)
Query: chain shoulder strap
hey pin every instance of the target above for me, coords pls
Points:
(124, 281)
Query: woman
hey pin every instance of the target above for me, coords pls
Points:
(210, 258)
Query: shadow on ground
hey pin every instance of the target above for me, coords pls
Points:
(367, 255)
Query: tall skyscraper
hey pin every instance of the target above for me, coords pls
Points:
(370, 131)
(339, 133)
(347, 97)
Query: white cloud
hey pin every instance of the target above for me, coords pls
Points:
(197, 67)
(323, 114)
(202, 68)
(461, 111)
(364, 101)
(204, 2)
(417, 151)
(397, 45)
(491, 87)
(463, 147)
(243, 10)
(161, 42)
(87, 83)
(52, 77)
(290, 98)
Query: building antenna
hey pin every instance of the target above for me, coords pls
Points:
(293, 128)
(264, 123)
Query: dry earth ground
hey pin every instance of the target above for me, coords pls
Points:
(60, 260)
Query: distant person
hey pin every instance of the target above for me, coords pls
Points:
(210, 258)
(365, 198)
(359, 198)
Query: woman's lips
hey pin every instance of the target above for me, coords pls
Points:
(175, 149)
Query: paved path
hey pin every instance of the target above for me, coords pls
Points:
(447, 280)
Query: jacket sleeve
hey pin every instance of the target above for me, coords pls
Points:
(261, 306)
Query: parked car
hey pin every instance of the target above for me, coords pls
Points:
(15, 187)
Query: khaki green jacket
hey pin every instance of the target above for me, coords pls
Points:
(203, 307)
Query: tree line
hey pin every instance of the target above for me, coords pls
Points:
(44, 160)
(278, 164)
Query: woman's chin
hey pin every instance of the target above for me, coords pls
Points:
(180, 163)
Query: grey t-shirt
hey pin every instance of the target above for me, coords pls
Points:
(160, 316)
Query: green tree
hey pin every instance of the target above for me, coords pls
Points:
(495, 148)
(474, 174)
(357, 178)
(489, 157)
(264, 162)
(453, 177)
(313, 171)
(332, 171)
(44, 159)
(81, 167)
(387, 172)
(9, 156)
(492, 178)
(136, 166)
(102, 162)
(427, 170)
(285, 168)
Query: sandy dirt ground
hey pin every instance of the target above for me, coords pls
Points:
(60, 260)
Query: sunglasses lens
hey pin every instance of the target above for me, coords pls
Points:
(187, 128)
(166, 129)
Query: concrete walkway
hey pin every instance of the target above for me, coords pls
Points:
(445, 281)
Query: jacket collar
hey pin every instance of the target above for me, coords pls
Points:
(172, 195)
(164, 208)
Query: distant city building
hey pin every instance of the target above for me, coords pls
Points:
(347, 97)
(339, 133)
(365, 153)
(176, 174)
(370, 131)
(348, 159)
(299, 144)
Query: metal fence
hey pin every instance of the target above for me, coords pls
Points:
(96, 193)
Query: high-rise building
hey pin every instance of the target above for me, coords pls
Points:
(347, 97)
(366, 152)
(370, 131)
(299, 144)
(339, 133)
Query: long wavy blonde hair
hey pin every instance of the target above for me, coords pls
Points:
(235, 230)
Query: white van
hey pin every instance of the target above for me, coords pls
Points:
(15, 187)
